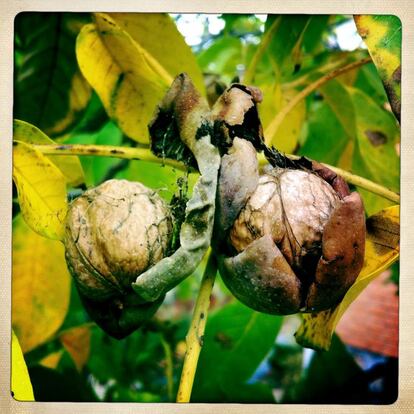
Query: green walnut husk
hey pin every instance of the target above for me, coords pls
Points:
(114, 232)
(290, 238)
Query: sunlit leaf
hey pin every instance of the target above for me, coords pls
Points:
(41, 190)
(381, 250)
(50, 92)
(129, 81)
(285, 138)
(40, 286)
(77, 341)
(382, 35)
(21, 386)
(222, 57)
(150, 30)
(69, 165)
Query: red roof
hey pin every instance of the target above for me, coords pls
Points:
(371, 321)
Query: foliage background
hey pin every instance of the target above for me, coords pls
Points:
(247, 356)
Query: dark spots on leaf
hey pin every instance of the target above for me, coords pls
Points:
(396, 76)
(224, 340)
(384, 232)
(63, 147)
(376, 138)
(202, 315)
(108, 21)
(115, 91)
(115, 151)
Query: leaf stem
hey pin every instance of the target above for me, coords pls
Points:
(145, 154)
(129, 153)
(281, 115)
(194, 338)
(168, 367)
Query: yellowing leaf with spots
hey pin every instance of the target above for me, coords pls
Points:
(382, 35)
(77, 341)
(40, 286)
(21, 387)
(70, 166)
(41, 190)
(381, 251)
(128, 79)
(150, 30)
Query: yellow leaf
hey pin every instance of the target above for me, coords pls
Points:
(40, 286)
(285, 138)
(149, 30)
(128, 80)
(52, 360)
(381, 251)
(77, 341)
(41, 190)
(70, 166)
(382, 35)
(21, 387)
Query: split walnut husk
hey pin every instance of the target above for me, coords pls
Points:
(290, 238)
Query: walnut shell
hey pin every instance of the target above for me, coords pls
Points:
(291, 206)
(295, 242)
(114, 232)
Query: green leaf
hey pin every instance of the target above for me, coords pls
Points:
(375, 154)
(382, 35)
(21, 386)
(222, 57)
(233, 333)
(332, 377)
(70, 166)
(40, 288)
(65, 385)
(339, 99)
(49, 91)
(128, 79)
(381, 251)
(322, 126)
(369, 82)
(285, 46)
(41, 191)
(314, 32)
